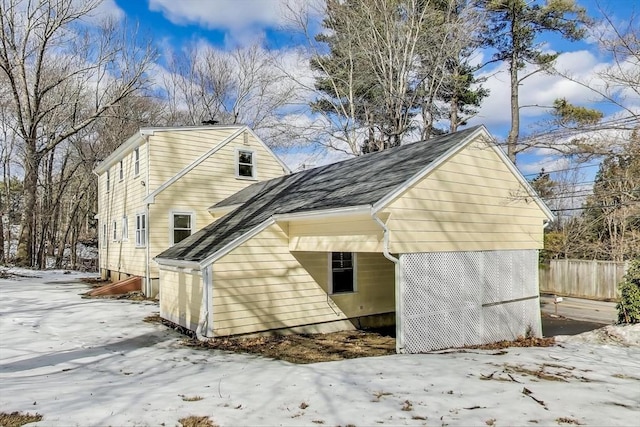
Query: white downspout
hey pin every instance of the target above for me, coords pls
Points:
(204, 331)
(148, 284)
(398, 283)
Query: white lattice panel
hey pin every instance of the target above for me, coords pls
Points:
(451, 299)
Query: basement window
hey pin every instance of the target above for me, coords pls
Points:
(342, 278)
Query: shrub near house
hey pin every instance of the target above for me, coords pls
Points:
(629, 305)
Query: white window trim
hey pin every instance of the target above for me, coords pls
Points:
(108, 181)
(124, 232)
(192, 214)
(114, 231)
(143, 235)
(354, 257)
(254, 164)
(121, 171)
(136, 161)
(104, 235)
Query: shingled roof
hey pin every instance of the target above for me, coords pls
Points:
(360, 181)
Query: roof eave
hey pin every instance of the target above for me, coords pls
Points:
(131, 143)
(169, 262)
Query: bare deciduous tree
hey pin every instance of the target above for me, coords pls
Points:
(238, 87)
(63, 75)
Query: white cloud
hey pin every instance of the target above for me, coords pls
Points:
(244, 21)
(540, 90)
(107, 9)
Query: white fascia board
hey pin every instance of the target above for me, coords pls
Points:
(523, 181)
(177, 263)
(131, 143)
(266, 147)
(151, 197)
(235, 243)
(481, 131)
(324, 213)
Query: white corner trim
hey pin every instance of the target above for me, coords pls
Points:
(481, 131)
(235, 243)
(151, 197)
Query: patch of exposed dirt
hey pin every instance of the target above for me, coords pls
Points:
(131, 296)
(95, 282)
(300, 348)
(519, 342)
(313, 348)
(17, 419)
(307, 348)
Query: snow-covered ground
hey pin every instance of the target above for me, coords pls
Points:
(95, 362)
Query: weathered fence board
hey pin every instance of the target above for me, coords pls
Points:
(583, 278)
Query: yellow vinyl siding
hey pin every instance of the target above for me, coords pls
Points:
(124, 198)
(173, 150)
(350, 234)
(375, 282)
(162, 156)
(259, 291)
(180, 297)
(206, 184)
(471, 202)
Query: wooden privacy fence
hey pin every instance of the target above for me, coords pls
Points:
(582, 278)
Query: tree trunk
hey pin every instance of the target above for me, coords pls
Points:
(25, 252)
(514, 132)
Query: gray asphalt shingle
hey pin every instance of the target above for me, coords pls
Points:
(359, 181)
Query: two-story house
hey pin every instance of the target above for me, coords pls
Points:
(157, 187)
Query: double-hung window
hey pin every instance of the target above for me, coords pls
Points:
(115, 231)
(246, 166)
(125, 228)
(181, 226)
(104, 235)
(121, 170)
(141, 230)
(136, 161)
(342, 278)
(108, 181)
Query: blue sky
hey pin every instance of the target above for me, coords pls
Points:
(227, 24)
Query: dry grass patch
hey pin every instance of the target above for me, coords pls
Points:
(519, 342)
(301, 348)
(196, 421)
(17, 419)
(307, 348)
(313, 348)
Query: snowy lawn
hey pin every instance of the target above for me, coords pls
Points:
(95, 362)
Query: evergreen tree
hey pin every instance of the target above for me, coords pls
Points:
(512, 30)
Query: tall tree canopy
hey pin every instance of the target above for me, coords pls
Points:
(394, 67)
(512, 31)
